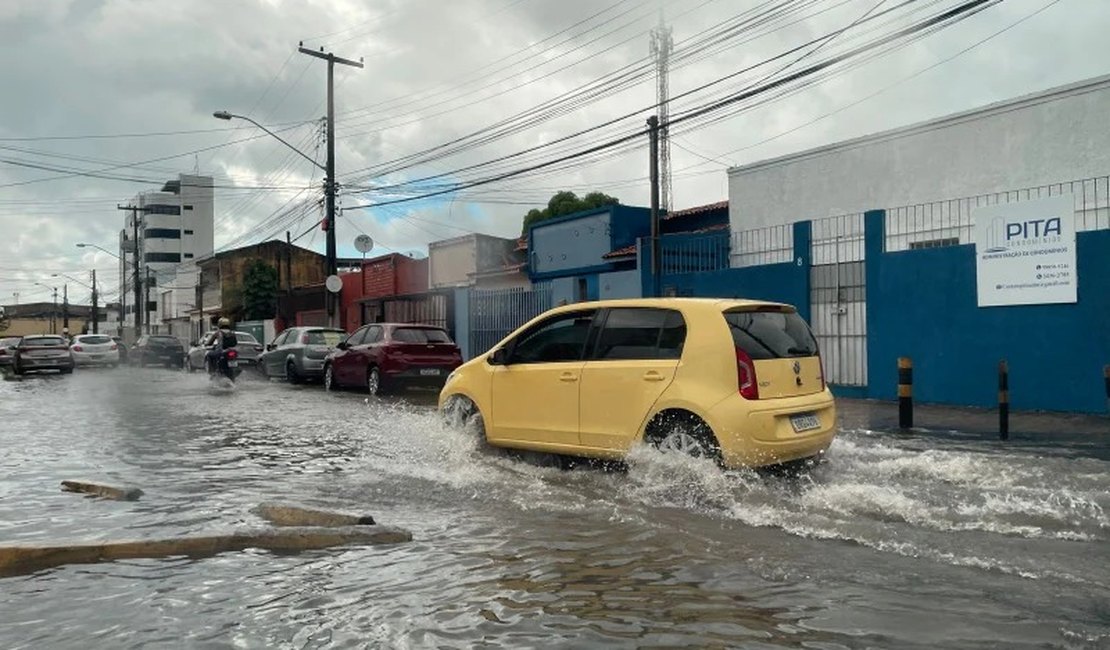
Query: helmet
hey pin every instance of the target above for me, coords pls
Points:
(224, 322)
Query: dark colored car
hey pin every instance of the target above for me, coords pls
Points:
(118, 340)
(44, 352)
(155, 349)
(7, 350)
(384, 356)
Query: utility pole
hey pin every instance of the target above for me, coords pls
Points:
(653, 134)
(65, 306)
(54, 314)
(661, 46)
(138, 295)
(329, 181)
(146, 297)
(95, 306)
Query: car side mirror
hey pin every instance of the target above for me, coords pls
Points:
(271, 347)
(499, 357)
(342, 345)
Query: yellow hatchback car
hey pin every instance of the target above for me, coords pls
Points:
(739, 381)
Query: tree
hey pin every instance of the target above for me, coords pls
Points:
(260, 290)
(565, 202)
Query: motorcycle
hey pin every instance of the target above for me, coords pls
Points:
(227, 365)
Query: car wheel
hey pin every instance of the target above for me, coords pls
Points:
(374, 381)
(462, 414)
(329, 378)
(291, 372)
(67, 371)
(687, 435)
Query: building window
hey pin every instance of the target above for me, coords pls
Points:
(188, 232)
(188, 207)
(162, 208)
(162, 257)
(162, 233)
(934, 243)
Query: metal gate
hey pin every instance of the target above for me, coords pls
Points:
(838, 298)
(431, 308)
(495, 313)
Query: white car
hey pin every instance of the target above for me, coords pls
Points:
(94, 350)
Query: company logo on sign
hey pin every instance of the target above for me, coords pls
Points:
(1008, 234)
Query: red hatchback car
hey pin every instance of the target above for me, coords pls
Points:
(384, 356)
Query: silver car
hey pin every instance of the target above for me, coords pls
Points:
(298, 353)
(248, 349)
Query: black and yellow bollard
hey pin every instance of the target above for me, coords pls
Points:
(905, 393)
(1003, 400)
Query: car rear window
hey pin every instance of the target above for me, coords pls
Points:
(8, 342)
(243, 337)
(771, 334)
(420, 335)
(43, 341)
(330, 338)
(94, 340)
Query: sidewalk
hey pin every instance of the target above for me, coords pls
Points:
(883, 416)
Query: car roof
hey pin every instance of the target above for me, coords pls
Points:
(680, 304)
(396, 325)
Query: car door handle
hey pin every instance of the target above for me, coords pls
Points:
(568, 376)
(651, 375)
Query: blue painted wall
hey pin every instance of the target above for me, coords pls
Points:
(575, 244)
(619, 284)
(462, 321)
(922, 304)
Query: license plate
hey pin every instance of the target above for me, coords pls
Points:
(96, 357)
(805, 422)
(429, 372)
(232, 364)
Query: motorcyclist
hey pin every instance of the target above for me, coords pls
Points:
(224, 340)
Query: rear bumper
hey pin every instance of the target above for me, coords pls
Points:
(430, 375)
(27, 365)
(312, 368)
(757, 433)
(87, 359)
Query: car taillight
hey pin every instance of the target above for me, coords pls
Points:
(78, 348)
(115, 347)
(232, 354)
(821, 367)
(745, 375)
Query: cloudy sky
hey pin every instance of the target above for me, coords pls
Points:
(103, 99)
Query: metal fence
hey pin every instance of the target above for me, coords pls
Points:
(694, 254)
(838, 239)
(758, 246)
(495, 313)
(949, 222)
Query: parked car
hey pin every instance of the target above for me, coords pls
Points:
(42, 352)
(157, 349)
(248, 350)
(384, 356)
(122, 348)
(735, 380)
(298, 353)
(94, 350)
(7, 350)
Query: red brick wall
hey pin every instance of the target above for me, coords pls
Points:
(412, 275)
(350, 309)
(380, 278)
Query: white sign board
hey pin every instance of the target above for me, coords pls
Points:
(1025, 252)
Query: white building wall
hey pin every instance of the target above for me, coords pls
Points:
(1051, 137)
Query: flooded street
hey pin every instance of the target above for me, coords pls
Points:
(895, 542)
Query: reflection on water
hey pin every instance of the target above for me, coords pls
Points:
(894, 542)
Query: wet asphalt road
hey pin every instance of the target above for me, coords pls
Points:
(895, 542)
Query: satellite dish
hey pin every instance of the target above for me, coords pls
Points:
(334, 284)
(363, 243)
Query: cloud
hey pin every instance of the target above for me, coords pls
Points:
(434, 72)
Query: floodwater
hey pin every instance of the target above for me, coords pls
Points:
(894, 542)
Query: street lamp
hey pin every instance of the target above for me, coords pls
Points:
(103, 250)
(95, 305)
(330, 299)
(54, 311)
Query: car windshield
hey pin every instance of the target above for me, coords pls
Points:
(771, 334)
(164, 340)
(9, 342)
(94, 340)
(420, 335)
(43, 341)
(330, 338)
